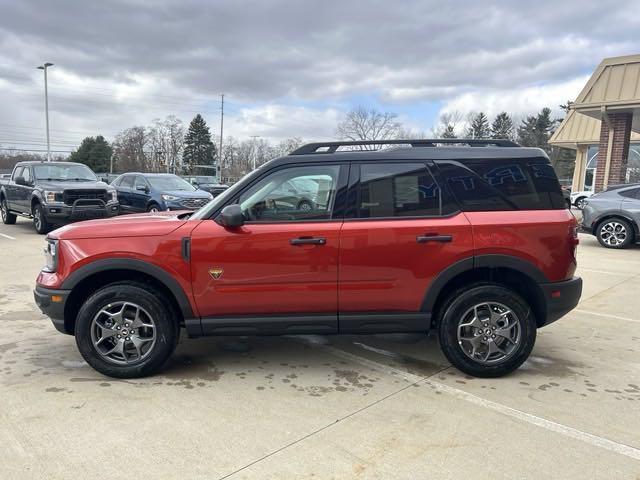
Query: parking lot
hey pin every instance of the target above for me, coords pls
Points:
(325, 407)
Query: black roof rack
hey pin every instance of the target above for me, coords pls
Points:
(331, 147)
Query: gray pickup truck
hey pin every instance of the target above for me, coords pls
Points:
(55, 193)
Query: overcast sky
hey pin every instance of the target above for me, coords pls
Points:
(293, 68)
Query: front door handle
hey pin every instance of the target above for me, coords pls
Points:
(434, 238)
(308, 241)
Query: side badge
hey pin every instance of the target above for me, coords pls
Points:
(216, 272)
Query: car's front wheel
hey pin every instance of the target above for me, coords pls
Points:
(487, 330)
(615, 233)
(126, 330)
(40, 222)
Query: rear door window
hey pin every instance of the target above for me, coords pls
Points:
(503, 184)
(397, 190)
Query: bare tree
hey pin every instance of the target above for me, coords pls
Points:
(448, 125)
(363, 124)
(129, 150)
(166, 141)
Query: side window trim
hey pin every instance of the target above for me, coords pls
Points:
(337, 212)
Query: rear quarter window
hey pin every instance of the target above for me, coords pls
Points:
(503, 184)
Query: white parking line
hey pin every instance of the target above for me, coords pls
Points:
(7, 236)
(606, 315)
(620, 274)
(552, 426)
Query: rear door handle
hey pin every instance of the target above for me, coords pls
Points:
(308, 241)
(434, 238)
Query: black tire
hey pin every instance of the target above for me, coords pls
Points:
(8, 218)
(305, 205)
(453, 313)
(167, 329)
(615, 233)
(40, 222)
(153, 207)
(567, 203)
(579, 203)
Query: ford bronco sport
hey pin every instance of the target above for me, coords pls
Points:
(470, 238)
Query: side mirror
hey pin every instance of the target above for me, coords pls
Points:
(231, 216)
(20, 181)
(142, 188)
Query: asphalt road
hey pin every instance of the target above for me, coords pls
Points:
(325, 407)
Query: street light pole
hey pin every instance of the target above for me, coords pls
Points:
(253, 150)
(46, 106)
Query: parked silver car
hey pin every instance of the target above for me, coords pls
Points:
(613, 216)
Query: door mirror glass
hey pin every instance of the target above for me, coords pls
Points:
(231, 216)
(142, 188)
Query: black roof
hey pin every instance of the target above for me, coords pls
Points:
(422, 149)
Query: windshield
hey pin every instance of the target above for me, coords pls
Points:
(206, 179)
(170, 183)
(227, 194)
(61, 172)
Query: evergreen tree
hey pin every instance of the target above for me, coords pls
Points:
(502, 126)
(449, 132)
(479, 127)
(536, 130)
(94, 152)
(198, 147)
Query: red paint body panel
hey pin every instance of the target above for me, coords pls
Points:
(163, 251)
(263, 272)
(542, 237)
(384, 268)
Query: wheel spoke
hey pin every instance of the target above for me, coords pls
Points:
(117, 348)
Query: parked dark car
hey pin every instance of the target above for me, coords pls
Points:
(154, 192)
(207, 183)
(55, 193)
(613, 216)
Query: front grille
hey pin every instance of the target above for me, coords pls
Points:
(194, 202)
(70, 196)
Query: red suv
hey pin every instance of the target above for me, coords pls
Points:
(467, 237)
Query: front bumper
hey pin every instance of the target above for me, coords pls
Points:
(52, 303)
(60, 213)
(561, 298)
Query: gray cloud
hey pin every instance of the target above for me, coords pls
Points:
(262, 52)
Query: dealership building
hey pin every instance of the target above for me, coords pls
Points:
(603, 126)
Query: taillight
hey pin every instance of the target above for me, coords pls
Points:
(573, 240)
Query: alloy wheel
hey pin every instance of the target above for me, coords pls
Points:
(580, 204)
(489, 333)
(123, 333)
(3, 210)
(613, 233)
(37, 218)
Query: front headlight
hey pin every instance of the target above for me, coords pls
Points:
(51, 196)
(114, 195)
(50, 256)
(169, 198)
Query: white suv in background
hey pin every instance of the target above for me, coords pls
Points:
(578, 198)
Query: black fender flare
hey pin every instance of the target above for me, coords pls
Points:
(154, 271)
(478, 261)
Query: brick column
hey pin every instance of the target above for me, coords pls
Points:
(621, 126)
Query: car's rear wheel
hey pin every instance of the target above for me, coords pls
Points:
(154, 207)
(126, 331)
(615, 233)
(8, 218)
(40, 222)
(487, 330)
(581, 203)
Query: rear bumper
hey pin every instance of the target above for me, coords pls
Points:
(52, 303)
(561, 297)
